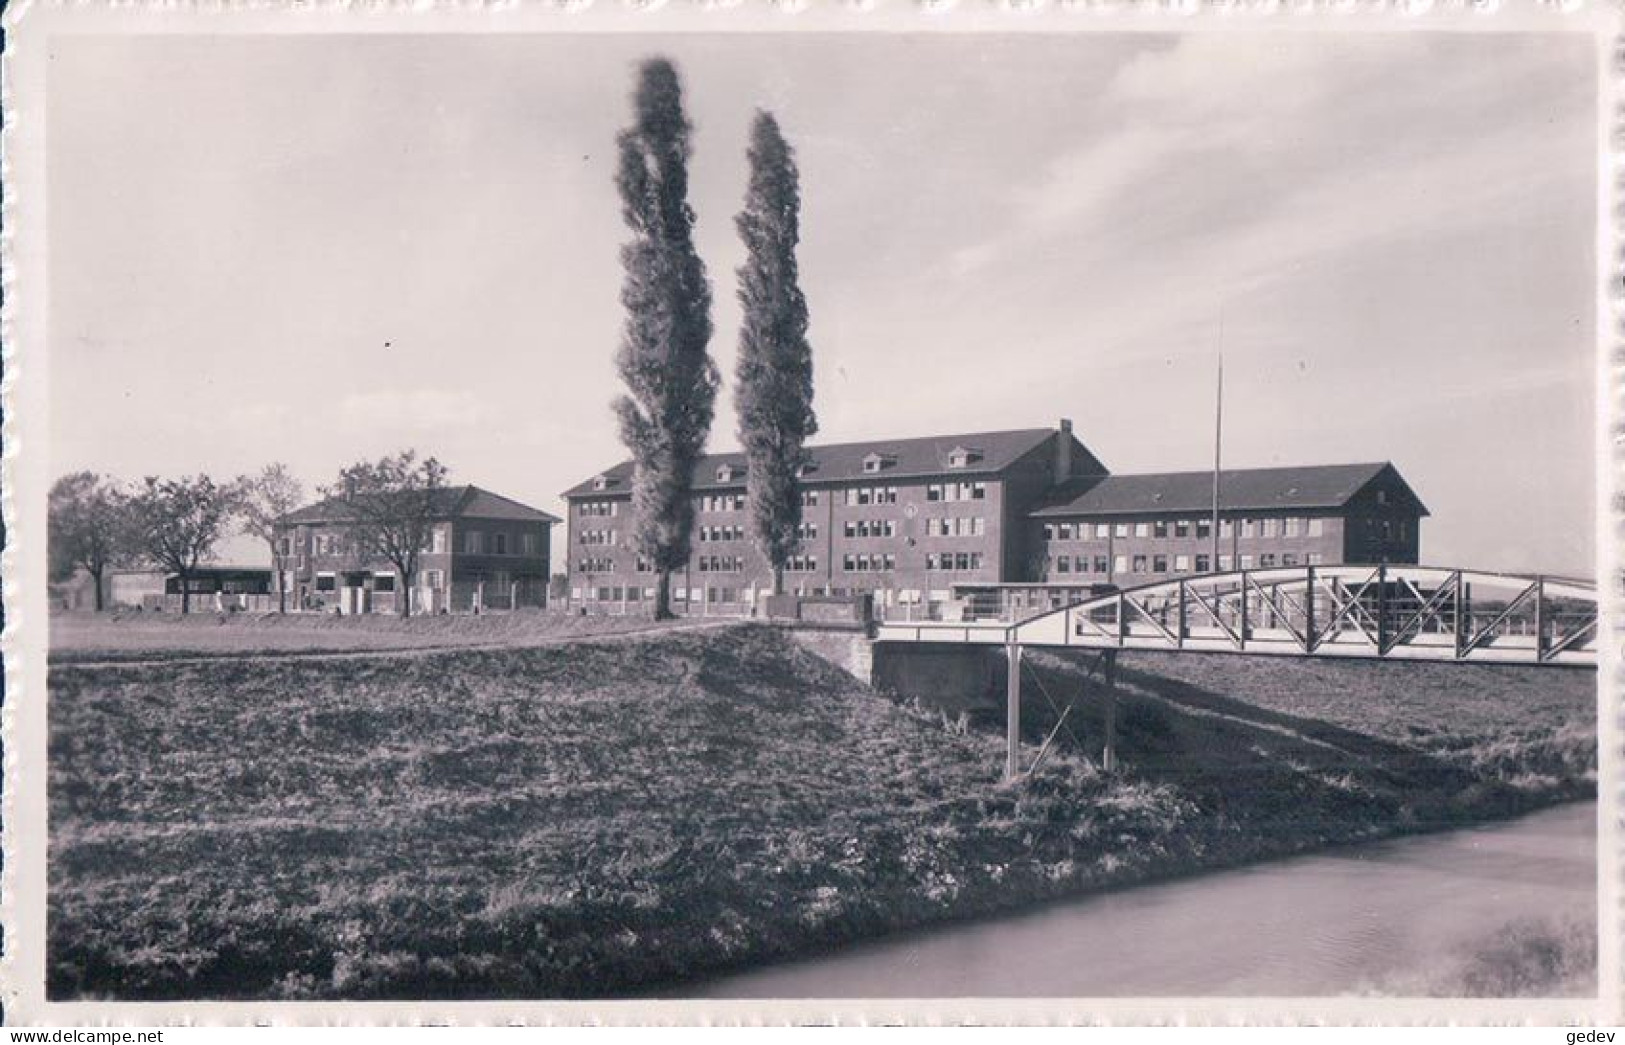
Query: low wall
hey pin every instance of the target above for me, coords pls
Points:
(850, 651)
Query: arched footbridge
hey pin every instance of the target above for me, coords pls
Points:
(1387, 612)
(1379, 612)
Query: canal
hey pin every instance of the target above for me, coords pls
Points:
(1382, 917)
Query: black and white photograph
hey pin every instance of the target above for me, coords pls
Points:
(718, 513)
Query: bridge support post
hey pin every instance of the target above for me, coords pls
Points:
(1012, 722)
(1108, 755)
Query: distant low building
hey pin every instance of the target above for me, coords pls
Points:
(485, 552)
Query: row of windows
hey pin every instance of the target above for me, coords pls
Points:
(1291, 526)
(721, 563)
(723, 502)
(1100, 564)
(865, 563)
(871, 528)
(807, 531)
(962, 526)
(597, 538)
(871, 495)
(474, 542)
(953, 561)
(956, 492)
(599, 508)
(595, 565)
(801, 564)
(731, 532)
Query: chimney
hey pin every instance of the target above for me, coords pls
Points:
(1063, 452)
(349, 488)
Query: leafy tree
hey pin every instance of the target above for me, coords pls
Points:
(265, 499)
(663, 360)
(392, 504)
(176, 522)
(774, 391)
(88, 527)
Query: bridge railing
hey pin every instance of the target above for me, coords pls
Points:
(1407, 612)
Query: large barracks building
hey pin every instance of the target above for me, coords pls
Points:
(927, 520)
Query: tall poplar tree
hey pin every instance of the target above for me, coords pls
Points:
(774, 392)
(671, 380)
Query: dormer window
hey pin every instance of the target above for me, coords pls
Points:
(600, 482)
(806, 468)
(726, 473)
(961, 456)
(877, 462)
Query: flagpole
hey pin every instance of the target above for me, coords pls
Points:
(1218, 436)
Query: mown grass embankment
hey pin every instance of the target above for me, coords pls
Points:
(130, 635)
(591, 819)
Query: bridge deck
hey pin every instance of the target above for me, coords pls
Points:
(1373, 612)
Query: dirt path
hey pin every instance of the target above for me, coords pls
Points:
(416, 650)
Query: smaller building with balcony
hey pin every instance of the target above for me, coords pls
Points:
(485, 552)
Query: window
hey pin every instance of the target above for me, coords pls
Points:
(529, 543)
(1269, 527)
(1064, 531)
(1102, 564)
(1289, 559)
(284, 546)
(435, 580)
(1316, 559)
(1246, 562)
(1120, 564)
(1382, 496)
(1266, 560)
(326, 582)
(1182, 563)
(1291, 526)
(1247, 528)
(1204, 528)
(1102, 530)
(1049, 531)
(1204, 564)
(1182, 527)
(1082, 564)
(474, 542)
(1159, 564)
(1159, 528)
(1063, 565)
(1225, 562)
(1139, 564)
(1227, 527)
(499, 544)
(807, 531)
(383, 582)
(1142, 529)
(1317, 527)
(809, 498)
(1120, 530)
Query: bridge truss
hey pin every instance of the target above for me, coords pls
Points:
(1393, 612)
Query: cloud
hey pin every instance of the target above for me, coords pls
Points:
(1279, 135)
(412, 409)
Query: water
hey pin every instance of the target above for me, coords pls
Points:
(1360, 918)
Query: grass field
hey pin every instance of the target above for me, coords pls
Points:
(592, 818)
(130, 635)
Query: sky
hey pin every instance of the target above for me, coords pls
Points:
(317, 249)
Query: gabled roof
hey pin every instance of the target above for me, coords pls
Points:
(451, 502)
(843, 462)
(1241, 489)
